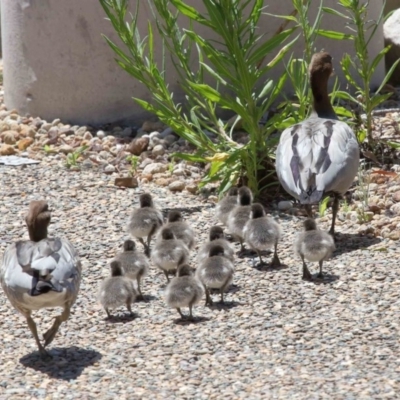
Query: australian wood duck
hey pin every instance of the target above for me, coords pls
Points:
(319, 156)
(41, 273)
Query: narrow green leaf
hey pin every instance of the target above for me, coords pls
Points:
(334, 12)
(334, 34)
(190, 157)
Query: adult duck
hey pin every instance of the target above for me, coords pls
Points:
(41, 273)
(319, 156)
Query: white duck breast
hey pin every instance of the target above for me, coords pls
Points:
(315, 157)
(40, 274)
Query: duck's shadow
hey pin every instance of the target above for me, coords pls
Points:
(195, 320)
(348, 242)
(67, 363)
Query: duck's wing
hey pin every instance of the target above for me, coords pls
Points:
(315, 157)
(36, 268)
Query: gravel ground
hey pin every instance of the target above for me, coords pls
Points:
(277, 337)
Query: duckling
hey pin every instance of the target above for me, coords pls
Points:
(134, 264)
(225, 205)
(240, 214)
(320, 155)
(216, 236)
(262, 233)
(117, 290)
(169, 252)
(145, 221)
(180, 229)
(185, 290)
(41, 273)
(313, 245)
(216, 272)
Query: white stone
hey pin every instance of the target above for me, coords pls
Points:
(158, 150)
(285, 205)
(100, 134)
(176, 186)
(109, 168)
(155, 168)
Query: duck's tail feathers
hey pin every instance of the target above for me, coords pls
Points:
(311, 196)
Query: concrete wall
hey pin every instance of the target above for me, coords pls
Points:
(57, 65)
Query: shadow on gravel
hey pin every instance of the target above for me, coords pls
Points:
(346, 243)
(125, 318)
(266, 267)
(227, 305)
(196, 320)
(326, 280)
(67, 362)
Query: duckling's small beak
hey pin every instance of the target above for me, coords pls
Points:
(333, 72)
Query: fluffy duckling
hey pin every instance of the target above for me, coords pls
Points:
(240, 214)
(216, 272)
(180, 229)
(169, 252)
(41, 273)
(262, 233)
(226, 204)
(216, 237)
(313, 245)
(134, 264)
(117, 290)
(185, 290)
(145, 221)
(320, 155)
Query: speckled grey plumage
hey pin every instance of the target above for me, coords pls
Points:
(216, 272)
(180, 228)
(313, 245)
(117, 290)
(262, 232)
(185, 290)
(226, 204)
(216, 237)
(135, 265)
(169, 252)
(145, 221)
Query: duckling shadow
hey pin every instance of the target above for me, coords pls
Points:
(195, 320)
(146, 298)
(124, 319)
(67, 363)
(347, 242)
(327, 279)
(226, 305)
(266, 267)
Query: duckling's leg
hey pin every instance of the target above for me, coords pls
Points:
(180, 313)
(275, 261)
(108, 313)
(222, 296)
(138, 279)
(190, 312)
(259, 256)
(320, 269)
(166, 275)
(306, 273)
(128, 306)
(146, 249)
(208, 297)
(335, 208)
(32, 327)
(309, 212)
(51, 333)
